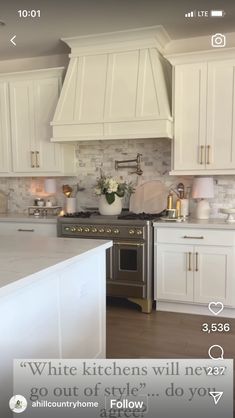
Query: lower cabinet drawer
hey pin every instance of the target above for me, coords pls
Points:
(27, 229)
(194, 236)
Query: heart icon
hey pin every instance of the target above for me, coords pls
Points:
(216, 307)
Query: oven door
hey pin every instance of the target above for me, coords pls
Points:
(126, 270)
(128, 261)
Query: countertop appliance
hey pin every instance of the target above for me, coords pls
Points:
(129, 262)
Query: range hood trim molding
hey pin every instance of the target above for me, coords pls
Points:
(148, 37)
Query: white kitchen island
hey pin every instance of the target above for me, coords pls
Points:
(52, 301)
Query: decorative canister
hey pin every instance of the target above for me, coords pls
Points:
(71, 203)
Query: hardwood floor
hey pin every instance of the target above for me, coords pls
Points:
(132, 334)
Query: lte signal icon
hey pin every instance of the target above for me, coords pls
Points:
(190, 14)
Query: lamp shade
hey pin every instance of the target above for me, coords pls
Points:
(203, 188)
(50, 186)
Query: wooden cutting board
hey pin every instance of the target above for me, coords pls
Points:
(149, 197)
(3, 202)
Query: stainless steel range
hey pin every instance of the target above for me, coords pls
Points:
(129, 263)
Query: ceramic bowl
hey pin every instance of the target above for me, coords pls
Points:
(230, 212)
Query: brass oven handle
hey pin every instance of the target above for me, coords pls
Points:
(208, 154)
(133, 244)
(189, 261)
(196, 259)
(201, 154)
(191, 237)
(37, 159)
(32, 159)
(25, 230)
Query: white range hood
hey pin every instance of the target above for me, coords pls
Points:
(117, 86)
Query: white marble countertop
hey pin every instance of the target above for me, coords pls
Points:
(30, 259)
(196, 223)
(23, 217)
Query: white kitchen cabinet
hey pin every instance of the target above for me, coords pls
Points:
(174, 273)
(27, 229)
(30, 99)
(204, 103)
(220, 138)
(5, 144)
(213, 274)
(194, 273)
(190, 117)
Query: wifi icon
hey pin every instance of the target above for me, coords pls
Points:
(190, 14)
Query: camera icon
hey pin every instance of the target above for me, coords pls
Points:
(218, 40)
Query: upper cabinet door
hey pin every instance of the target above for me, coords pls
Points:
(190, 116)
(220, 141)
(5, 144)
(22, 125)
(47, 154)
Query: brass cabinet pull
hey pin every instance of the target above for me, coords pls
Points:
(189, 261)
(191, 237)
(208, 154)
(196, 261)
(32, 159)
(25, 230)
(37, 159)
(201, 153)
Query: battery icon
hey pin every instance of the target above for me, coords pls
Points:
(217, 13)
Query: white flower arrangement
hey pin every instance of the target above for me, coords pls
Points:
(111, 188)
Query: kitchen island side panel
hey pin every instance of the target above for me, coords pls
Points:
(60, 315)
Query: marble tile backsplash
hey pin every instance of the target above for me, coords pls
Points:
(93, 156)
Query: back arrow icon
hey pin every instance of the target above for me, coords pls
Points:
(12, 40)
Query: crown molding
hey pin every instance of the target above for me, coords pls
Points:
(148, 37)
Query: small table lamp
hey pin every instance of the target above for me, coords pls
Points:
(203, 188)
(49, 187)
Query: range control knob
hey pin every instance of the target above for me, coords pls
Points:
(131, 231)
(86, 229)
(139, 231)
(116, 231)
(72, 229)
(67, 228)
(101, 230)
(94, 230)
(79, 229)
(108, 230)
